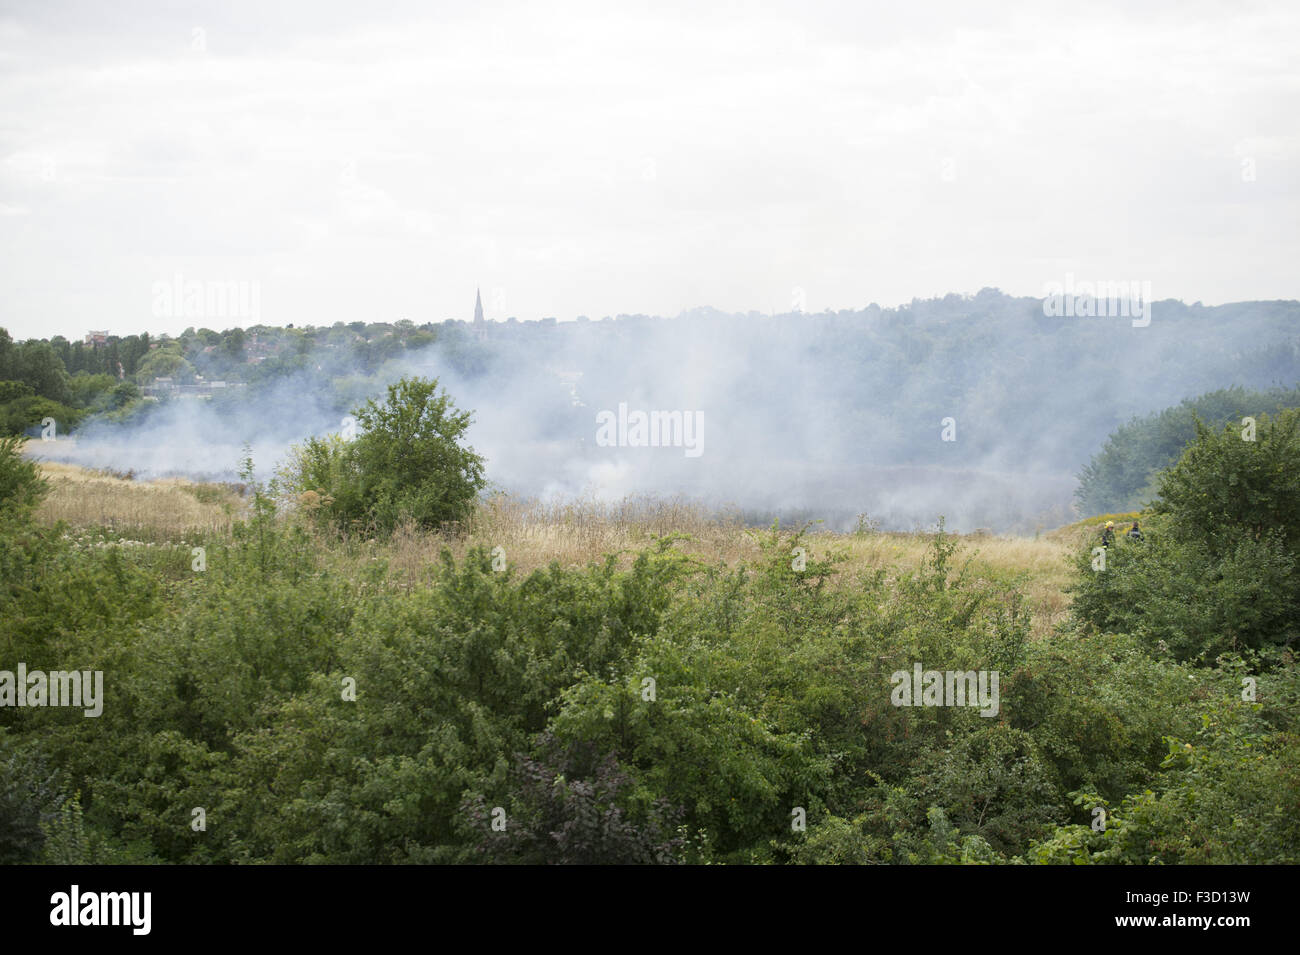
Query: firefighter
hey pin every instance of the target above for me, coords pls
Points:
(1135, 533)
(1108, 535)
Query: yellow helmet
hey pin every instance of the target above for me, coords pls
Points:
(1110, 523)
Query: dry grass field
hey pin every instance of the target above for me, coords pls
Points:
(145, 510)
(574, 534)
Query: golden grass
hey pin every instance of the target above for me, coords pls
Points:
(143, 509)
(575, 533)
(1089, 529)
(1039, 567)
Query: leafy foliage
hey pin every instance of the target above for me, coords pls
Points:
(564, 809)
(1124, 473)
(1228, 792)
(656, 708)
(1226, 487)
(1227, 530)
(21, 484)
(407, 463)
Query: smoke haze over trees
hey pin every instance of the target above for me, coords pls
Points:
(822, 416)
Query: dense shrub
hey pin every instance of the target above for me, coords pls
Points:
(407, 463)
(1220, 567)
(24, 415)
(1124, 474)
(1228, 791)
(563, 808)
(21, 484)
(30, 795)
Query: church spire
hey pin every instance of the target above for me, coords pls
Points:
(478, 308)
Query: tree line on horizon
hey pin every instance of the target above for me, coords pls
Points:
(1028, 391)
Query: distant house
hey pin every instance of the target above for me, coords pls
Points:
(256, 350)
(96, 339)
(169, 388)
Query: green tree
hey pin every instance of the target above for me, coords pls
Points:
(6, 354)
(21, 484)
(164, 363)
(29, 796)
(232, 345)
(13, 390)
(37, 364)
(408, 462)
(1230, 483)
(1227, 529)
(1125, 472)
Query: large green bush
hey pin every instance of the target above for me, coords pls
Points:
(407, 463)
(1228, 791)
(21, 484)
(1220, 567)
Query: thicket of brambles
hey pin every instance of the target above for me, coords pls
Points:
(1169, 706)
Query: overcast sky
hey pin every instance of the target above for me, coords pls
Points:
(379, 161)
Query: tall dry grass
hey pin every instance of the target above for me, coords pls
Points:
(146, 510)
(575, 533)
(533, 534)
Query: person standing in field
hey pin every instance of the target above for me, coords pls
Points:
(1134, 533)
(1108, 534)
